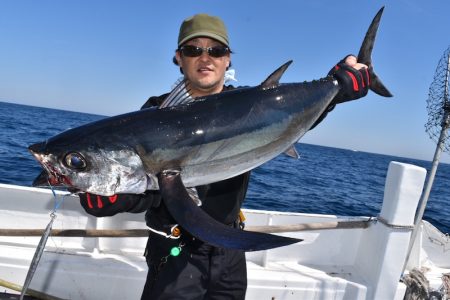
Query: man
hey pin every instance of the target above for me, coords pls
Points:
(181, 267)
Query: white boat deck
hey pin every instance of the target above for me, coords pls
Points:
(357, 263)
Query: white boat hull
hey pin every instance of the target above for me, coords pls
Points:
(358, 263)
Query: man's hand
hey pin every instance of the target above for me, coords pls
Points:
(100, 206)
(104, 206)
(353, 78)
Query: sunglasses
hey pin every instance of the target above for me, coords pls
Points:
(194, 51)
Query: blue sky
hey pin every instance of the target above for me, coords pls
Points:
(108, 57)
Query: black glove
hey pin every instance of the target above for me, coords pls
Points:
(104, 206)
(354, 83)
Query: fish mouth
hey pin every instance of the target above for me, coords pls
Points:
(46, 178)
(49, 175)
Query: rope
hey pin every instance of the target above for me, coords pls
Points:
(394, 226)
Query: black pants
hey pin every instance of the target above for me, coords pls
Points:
(201, 271)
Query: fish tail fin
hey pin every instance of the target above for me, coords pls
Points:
(365, 56)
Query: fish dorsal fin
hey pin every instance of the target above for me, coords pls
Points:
(179, 95)
(274, 78)
(292, 152)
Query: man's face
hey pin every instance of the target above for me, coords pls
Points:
(205, 73)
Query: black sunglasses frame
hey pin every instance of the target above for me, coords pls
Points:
(194, 51)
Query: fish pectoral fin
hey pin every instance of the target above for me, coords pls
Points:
(274, 78)
(202, 226)
(292, 152)
(194, 195)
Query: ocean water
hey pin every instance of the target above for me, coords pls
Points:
(324, 180)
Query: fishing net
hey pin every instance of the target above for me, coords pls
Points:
(438, 105)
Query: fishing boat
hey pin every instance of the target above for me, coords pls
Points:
(339, 258)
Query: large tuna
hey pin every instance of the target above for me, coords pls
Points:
(207, 140)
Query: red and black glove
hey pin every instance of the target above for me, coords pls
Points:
(104, 206)
(354, 83)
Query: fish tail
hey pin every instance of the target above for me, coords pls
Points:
(365, 56)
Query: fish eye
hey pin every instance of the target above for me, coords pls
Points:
(75, 160)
